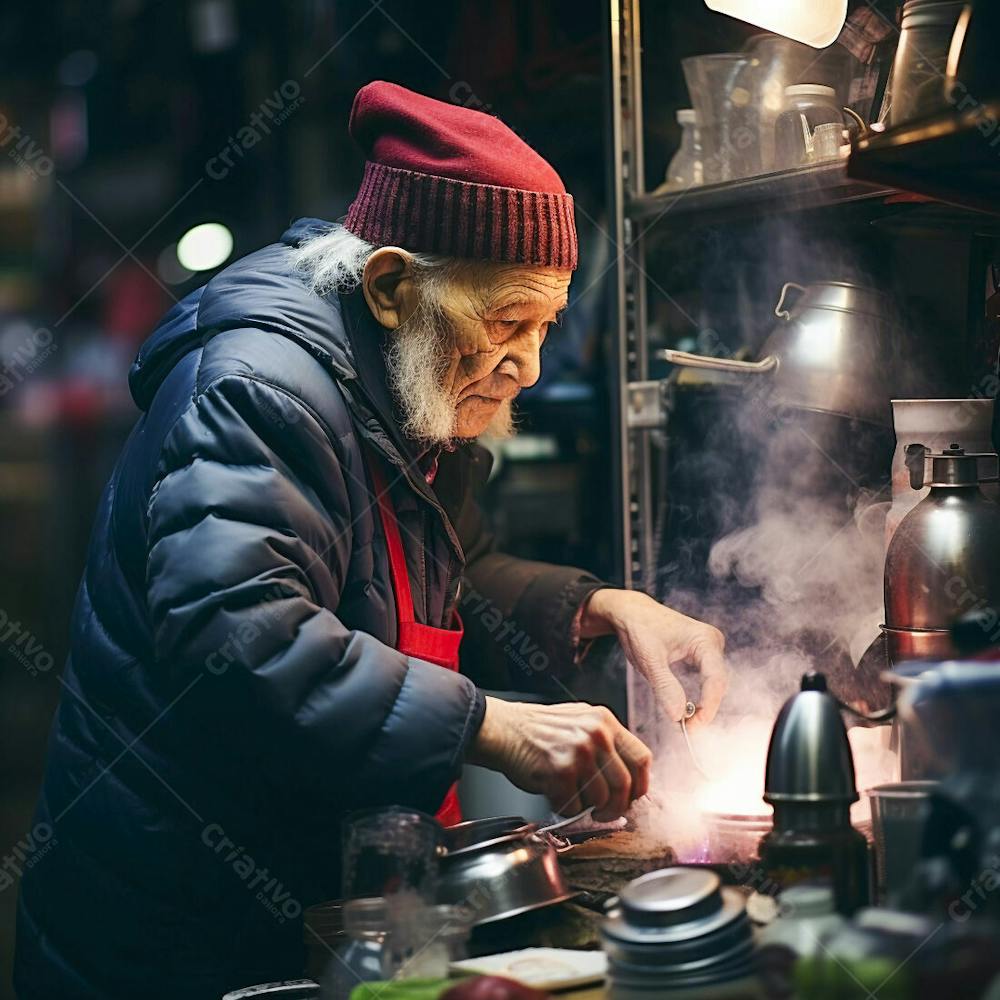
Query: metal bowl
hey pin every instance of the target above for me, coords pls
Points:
(503, 877)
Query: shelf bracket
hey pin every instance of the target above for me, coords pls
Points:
(645, 405)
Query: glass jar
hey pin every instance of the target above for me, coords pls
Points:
(807, 106)
(685, 169)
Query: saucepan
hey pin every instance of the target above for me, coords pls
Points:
(837, 349)
(505, 876)
(512, 872)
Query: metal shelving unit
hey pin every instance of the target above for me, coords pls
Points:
(642, 218)
(825, 185)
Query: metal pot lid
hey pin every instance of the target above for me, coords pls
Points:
(671, 896)
(731, 907)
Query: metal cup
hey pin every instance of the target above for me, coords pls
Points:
(899, 815)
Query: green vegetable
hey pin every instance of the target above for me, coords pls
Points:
(402, 989)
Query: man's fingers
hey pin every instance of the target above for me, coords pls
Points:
(594, 791)
(619, 783)
(565, 799)
(638, 759)
(714, 681)
(669, 693)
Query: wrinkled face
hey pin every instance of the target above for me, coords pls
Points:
(463, 342)
(499, 316)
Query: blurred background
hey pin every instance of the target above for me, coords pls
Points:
(143, 145)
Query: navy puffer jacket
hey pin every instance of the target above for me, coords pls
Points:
(232, 687)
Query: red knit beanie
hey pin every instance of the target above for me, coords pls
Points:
(449, 180)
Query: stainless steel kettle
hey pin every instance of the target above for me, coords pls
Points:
(942, 561)
(836, 350)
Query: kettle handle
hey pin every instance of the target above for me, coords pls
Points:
(916, 464)
(863, 127)
(779, 311)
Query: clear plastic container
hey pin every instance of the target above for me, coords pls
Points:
(361, 958)
(424, 940)
(685, 169)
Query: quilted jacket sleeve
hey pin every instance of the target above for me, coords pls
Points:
(519, 614)
(250, 531)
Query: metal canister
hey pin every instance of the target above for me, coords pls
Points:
(810, 783)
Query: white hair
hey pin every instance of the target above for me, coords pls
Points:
(418, 355)
(334, 261)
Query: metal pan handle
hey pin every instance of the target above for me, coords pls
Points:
(686, 360)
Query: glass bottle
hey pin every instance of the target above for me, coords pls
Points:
(685, 169)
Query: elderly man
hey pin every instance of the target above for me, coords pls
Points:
(267, 632)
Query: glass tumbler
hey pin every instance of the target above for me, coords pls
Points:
(391, 851)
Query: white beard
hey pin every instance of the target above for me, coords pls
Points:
(417, 360)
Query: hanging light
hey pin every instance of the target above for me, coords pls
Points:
(815, 22)
(205, 246)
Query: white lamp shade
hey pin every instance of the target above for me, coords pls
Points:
(814, 22)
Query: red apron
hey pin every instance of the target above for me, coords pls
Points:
(436, 645)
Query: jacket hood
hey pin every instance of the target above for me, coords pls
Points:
(260, 291)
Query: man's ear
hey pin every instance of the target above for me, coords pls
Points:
(389, 287)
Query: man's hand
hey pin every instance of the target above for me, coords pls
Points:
(577, 755)
(654, 637)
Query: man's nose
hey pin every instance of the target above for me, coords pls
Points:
(523, 361)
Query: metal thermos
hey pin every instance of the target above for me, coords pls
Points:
(810, 783)
(941, 566)
(942, 561)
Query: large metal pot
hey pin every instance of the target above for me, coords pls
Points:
(836, 350)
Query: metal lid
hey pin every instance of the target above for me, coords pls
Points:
(809, 90)
(671, 896)
(728, 907)
(809, 758)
